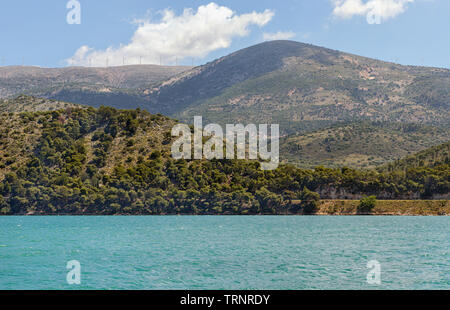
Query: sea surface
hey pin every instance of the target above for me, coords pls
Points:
(225, 252)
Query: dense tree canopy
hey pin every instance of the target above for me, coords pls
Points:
(107, 161)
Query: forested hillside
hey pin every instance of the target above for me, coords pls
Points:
(106, 161)
(113, 86)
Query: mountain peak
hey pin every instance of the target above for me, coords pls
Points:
(271, 53)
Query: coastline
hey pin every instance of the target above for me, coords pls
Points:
(387, 207)
(326, 207)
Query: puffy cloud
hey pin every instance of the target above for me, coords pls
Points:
(280, 35)
(376, 11)
(191, 34)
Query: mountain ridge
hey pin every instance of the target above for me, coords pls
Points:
(24, 103)
(118, 86)
(277, 81)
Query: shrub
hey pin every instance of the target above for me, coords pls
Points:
(309, 200)
(366, 204)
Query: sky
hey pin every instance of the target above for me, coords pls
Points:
(59, 33)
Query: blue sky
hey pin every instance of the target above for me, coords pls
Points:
(405, 31)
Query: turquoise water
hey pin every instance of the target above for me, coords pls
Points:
(226, 252)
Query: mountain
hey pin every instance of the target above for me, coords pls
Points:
(302, 86)
(105, 161)
(360, 145)
(115, 86)
(334, 109)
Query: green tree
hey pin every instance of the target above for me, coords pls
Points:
(309, 201)
(366, 204)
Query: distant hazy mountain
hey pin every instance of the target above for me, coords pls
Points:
(24, 103)
(114, 86)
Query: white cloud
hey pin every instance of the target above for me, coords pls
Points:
(191, 34)
(376, 11)
(280, 35)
